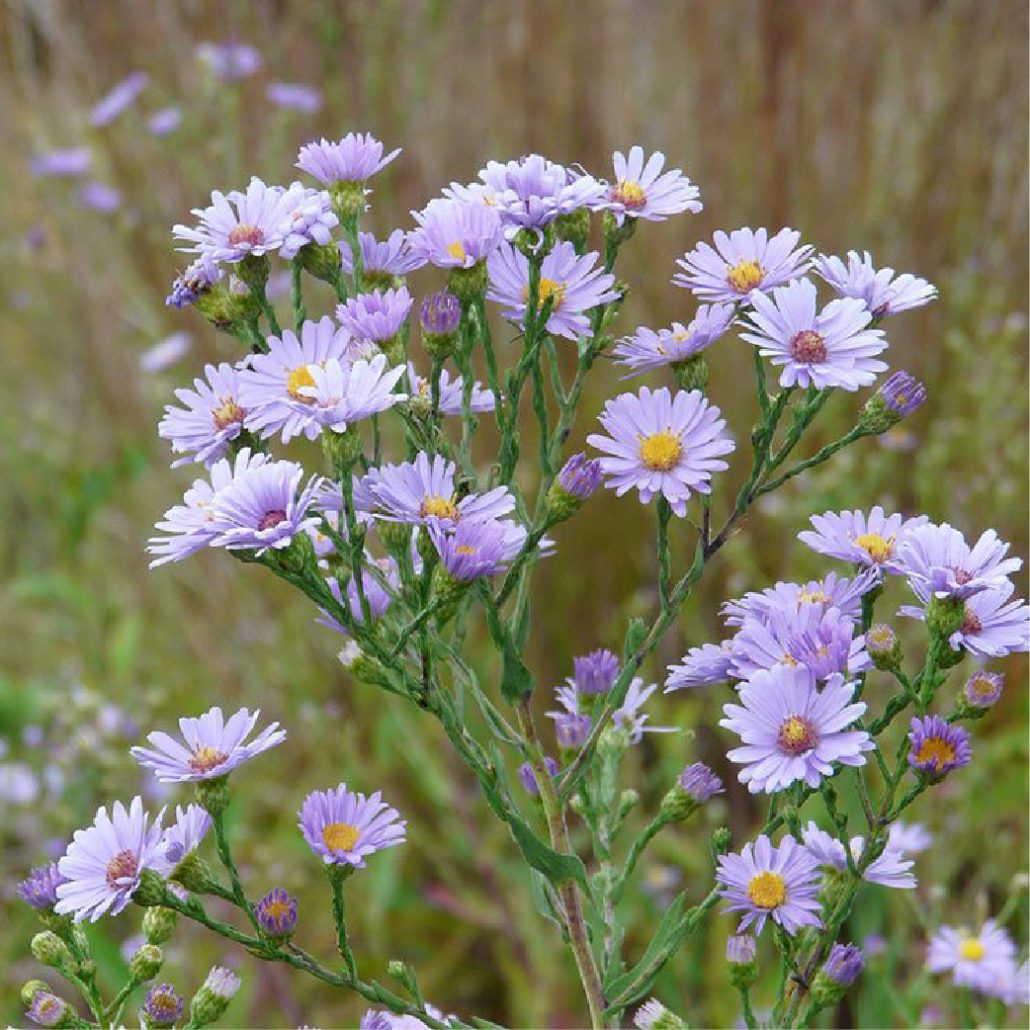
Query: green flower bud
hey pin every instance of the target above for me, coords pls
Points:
(341, 449)
(720, 840)
(348, 199)
(30, 989)
(394, 350)
(628, 800)
(323, 262)
(213, 796)
(883, 646)
(363, 667)
(945, 615)
(50, 950)
(573, 227)
(677, 805)
(395, 536)
(877, 417)
(152, 889)
(211, 1001)
(194, 874)
(740, 957)
(535, 242)
(226, 308)
(146, 963)
(254, 270)
(159, 924)
(615, 234)
(691, 374)
(468, 284)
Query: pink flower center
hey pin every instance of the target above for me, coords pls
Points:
(206, 758)
(121, 868)
(962, 577)
(797, 735)
(272, 518)
(808, 347)
(244, 233)
(227, 413)
(971, 622)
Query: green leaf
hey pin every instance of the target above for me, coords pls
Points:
(557, 868)
(636, 631)
(539, 890)
(516, 679)
(672, 931)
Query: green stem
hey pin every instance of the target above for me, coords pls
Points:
(337, 876)
(225, 854)
(297, 295)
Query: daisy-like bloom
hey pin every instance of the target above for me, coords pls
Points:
(165, 121)
(642, 190)
(937, 560)
(702, 666)
(455, 234)
(532, 191)
(832, 591)
(765, 882)
(653, 1015)
(211, 746)
(230, 61)
(344, 828)
(382, 260)
(377, 315)
(937, 747)
(276, 913)
(596, 672)
(295, 96)
(163, 1006)
(570, 282)
(210, 418)
(181, 838)
(662, 443)
(913, 837)
(379, 591)
(975, 960)
(102, 865)
(423, 491)
(451, 391)
(628, 716)
(194, 282)
(270, 384)
(39, 888)
(476, 548)
(571, 729)
(983, 689)
(879, 289)
(870, 541)
(353, 159)
(119, 100)
(832, 347)
(648, 349)
(528, 779)
(700, 783)
(793, 732)
(891, 869)
(48, 1009)
(69, 163)
(741, 262)
(195, 524)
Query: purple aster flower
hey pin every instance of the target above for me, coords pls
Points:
(377, 315)
(569, 281)
(571, 729)
(476, 547)
(793, 732)
(902, 394)
(881, 292)
(913, 837)
(630, 719)
(741, 262)
(379, 591)
(212, 746)
(69, 163)
(662, 443)
(891, 869)
(120, 99)
(270, 384)
(295, 96)
(383, 260)
(194, 524)
(872, 540)
(309, 220)
(1012, 984)
(983, 689)
(766, 882)
(102, 865)
(648, 349)
(355, 158)
(39, 888)
(230, 61)
(181, 838)
(440, 313)
(528, 779)
(992, 625)
(844, 964)
(98, 196)
(165, 353)
(165, 121)
(741, 949)
(163, 1006)
(210, 418)
(975, 960)
(48, 1009)
(596, 672)
(330, 497)
(211, 1001)
(702, 666)
(642, 190)
(700, 783)
(344, 828)
(451, 391)
(374, 1019)
(194, 282)
(423, 491)
(580, 476)
(832, 347)
(937, 560)
(276, 913)
(832, 591)
(936, 747)
(455, 234)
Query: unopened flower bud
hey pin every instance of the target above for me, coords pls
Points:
(396, 536)
(838, 973)
(614, 233)
(276, 914)
(363, 667)
(653, 1015)
(440, 316)
(341, 449)
(159, 924)
(981, 693)
(31, 988)
(162, 1007)
(573, 227)
(691, 374)
(740, 956)
(211, 1001)
(50, 950)
(945, 615)
(146, 963)
(152, 889)
(883, 646)
(528, 779)
(321, 261)
(899, 396)
(348, 200)
(571, 730)
(579, 477)
(628, 800)
(721, 839)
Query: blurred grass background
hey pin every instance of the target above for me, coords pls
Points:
(898, 127)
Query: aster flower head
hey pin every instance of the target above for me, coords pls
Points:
(440, 313)
(477, 548)
(210, 418)
(580, 476)
(700, 783)
(764, 882)
(891, 869)
(455, 234)
(571, 729)
(642, 190)
(833, 347)
(569, 282)
(702, 666)
(344, 828)
(181, 838)
(937, 747)
(451, 393)
(648, 348)
(163, 1006)
(844, 964)
(276, 913)
(295, 96)
(740, 262)
(662, 443)
(382, 260)
(230, 61)
(353, 159)
(528, 779)
(309, 220)
(47, 1009)
(103, 863)
(194, 282)
(870, 541)
(983, 689)
(594, 673)
(376, 315)
(879, 289)
(793, 732)
(978, 960)
(629, 718)
(901, 395)
(39, 888)
(119, 99)
(211, 746)
(211, 1001)
(832, 591)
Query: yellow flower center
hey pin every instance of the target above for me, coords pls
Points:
(227, 413)
(936, 752)
(457, 251)
(548, 290)
(629, 194)
(298, 378)
(982, 686)
(340, 836)
(767, 890)
(441, 507)
(660, 451)
(971, 949)
(881, 637)
(206, 758)
(464, 549)
(789, 659)
(813, 597)
(276, 909)
(745, 275)
(797, 735)
(878, 549)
